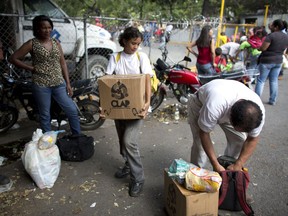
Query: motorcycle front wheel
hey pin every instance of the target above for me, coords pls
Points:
(8, 117)
(89, 117)
(156, 99)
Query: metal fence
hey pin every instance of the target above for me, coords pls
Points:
(87, 42)
(86, 47)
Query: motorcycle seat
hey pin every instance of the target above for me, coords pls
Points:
(162, 65)
(80, 83)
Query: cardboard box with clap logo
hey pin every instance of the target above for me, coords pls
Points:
(182, 202)
(122, 96)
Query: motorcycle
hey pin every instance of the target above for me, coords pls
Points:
(17, 92)
(183, 82)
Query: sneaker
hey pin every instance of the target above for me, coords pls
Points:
(271, 103)
(135, 189)
(5, 183)
(125, 171)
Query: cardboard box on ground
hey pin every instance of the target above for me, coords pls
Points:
(122, 96)
(182, 202)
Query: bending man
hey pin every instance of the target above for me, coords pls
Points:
(238, 111)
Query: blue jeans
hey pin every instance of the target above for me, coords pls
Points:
(128, 133)
(43, 96)
(270, 71)
(205, 69)
(146, 38)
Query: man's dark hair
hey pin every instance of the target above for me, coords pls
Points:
(37, 21)
(129, 33)
(246, 115)
(218, 51)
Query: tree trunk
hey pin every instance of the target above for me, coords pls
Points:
(205, 8)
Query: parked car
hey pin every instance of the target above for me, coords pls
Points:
(16, 28)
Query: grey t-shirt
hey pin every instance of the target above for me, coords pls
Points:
(278, 43)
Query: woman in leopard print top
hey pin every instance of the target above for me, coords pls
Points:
(49, 73)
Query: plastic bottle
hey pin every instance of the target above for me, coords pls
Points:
(183, 100)
(176, 114)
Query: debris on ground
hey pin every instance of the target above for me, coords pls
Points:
(167, 113)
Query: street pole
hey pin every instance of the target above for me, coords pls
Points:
(220, 24)
(266, 13)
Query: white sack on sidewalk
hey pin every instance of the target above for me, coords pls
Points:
(43, 165)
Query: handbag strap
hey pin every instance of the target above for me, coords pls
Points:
(242, 179)
(224, 187)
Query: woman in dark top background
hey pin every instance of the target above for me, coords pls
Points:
(271, 58)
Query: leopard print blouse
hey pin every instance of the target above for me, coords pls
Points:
(48, 71)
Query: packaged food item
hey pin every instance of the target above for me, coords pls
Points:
(178, 169)
(48, 139)
(202, 180)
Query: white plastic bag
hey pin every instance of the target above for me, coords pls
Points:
(238, 66)
(285, 62)
(43, 165)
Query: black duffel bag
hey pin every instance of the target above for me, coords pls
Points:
(76, 147)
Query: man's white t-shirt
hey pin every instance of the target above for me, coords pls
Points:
(217, 98)
(230, 48)
(129, 64)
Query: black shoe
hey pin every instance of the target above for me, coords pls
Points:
(135, 188)
(4, 180)
(125, 171)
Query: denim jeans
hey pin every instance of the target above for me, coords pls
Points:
(205, 69)
(128, 133)
(270, 71)
(146, 38)
(43, 96)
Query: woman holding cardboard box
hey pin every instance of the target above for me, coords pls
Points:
(130, 61)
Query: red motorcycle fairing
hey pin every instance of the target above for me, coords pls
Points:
(183, 76)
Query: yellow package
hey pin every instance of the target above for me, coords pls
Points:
(202, 180)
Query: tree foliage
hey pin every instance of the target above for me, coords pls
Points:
(169, 9)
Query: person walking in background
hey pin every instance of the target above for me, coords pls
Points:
(49, 73)
(147, 34)
(130, 61)
(98, 22)
(237, 110)
(206, 51)
(270, 61)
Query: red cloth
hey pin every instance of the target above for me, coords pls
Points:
(220, 60)
(204, 55)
